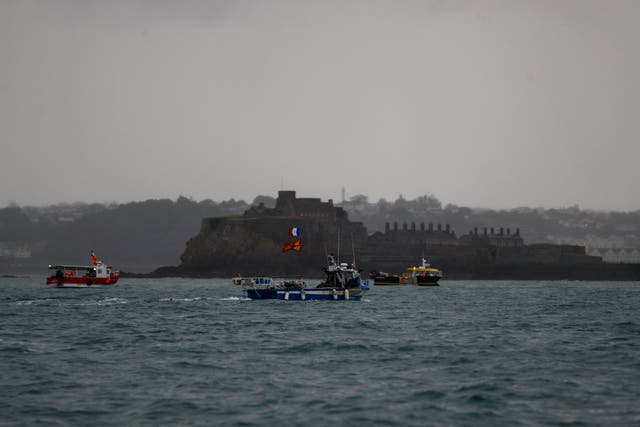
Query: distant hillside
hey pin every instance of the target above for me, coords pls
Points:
(137, 237)
(141, 236)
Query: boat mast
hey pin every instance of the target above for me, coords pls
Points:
(338, 260)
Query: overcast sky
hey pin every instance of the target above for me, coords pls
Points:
(484, 103)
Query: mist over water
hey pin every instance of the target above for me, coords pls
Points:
(195, 352)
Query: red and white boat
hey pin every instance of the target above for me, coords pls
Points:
(82, 276)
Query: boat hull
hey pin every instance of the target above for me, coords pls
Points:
(422, 281)
(81, 282)
(387, 281)
(428, 282)
(306, 294)
(79, 285)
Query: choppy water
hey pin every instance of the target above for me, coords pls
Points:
(194, 352)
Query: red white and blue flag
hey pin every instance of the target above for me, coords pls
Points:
(294, 231)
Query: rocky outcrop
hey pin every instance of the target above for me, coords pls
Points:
(252, 244)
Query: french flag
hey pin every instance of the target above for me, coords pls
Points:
(294, 231)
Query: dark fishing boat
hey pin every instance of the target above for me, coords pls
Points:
(380, 278)
(342, 282)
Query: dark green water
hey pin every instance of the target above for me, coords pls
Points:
(194, 352)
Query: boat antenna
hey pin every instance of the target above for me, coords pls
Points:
(353, 251)
(425, 263)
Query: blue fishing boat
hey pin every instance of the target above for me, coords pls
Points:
(342, 282)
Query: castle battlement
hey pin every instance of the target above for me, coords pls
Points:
(287, 204)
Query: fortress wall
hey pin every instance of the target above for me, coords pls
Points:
(252, 244)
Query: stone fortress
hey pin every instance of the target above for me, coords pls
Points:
(251, 244)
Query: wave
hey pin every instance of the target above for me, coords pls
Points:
(192, 299)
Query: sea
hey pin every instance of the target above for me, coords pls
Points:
(195, 352)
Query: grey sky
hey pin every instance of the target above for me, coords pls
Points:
(483, 103)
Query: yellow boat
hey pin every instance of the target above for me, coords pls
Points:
(425, 275)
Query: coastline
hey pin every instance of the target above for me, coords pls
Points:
(547, 272)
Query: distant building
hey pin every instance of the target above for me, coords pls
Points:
(489, 237)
